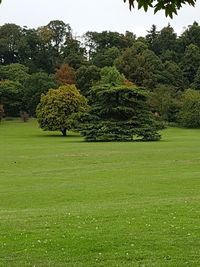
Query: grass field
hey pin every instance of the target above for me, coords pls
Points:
(65, 202)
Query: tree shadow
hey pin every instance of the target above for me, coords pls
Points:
(58, 136)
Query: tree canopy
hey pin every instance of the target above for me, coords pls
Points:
(169, 6)
(34, 60)
(118, 113)
(190, 109)
(58, 107)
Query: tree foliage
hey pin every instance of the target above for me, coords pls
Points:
(14, 72)
(190, 62)
(1, 112)
(36, 85)
(110, 75)
(164, 101)
(170, 6)
(58, 107)
(190, 109)
(65, 74)
(11, 93)
(86, 77)
(118, 113)
(162, 62)
(196, 84)
(140, 65)
(10, 35)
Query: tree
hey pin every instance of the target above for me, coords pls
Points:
(110, 75)
(10, 35)
(140, 65)
(173, 76)
(58, 107)
(37, 84)
(118, 113)
(190, 109)
(190, 62)
(196, 84)
(14, 72)
(190, 36)
(165, 40)
(170, 6)
(98, 43)
(165, 102)
(11, 93)
(106, 57)
(65, 74)
(86, 77)
(73, 53)
(152, 37)
(60, 31)
(1, 112)
(31, 51)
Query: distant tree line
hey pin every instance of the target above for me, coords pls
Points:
(165, 67)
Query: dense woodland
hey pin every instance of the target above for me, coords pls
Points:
(164, 65)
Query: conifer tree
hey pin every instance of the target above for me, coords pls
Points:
(118, 113)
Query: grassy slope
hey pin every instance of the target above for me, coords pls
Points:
(64, 202)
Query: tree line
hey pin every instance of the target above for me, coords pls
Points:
(162, 64)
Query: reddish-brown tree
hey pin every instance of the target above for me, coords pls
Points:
(65, 74)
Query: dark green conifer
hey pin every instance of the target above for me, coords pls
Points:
(118, 113)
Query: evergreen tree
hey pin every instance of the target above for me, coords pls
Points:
(118, 113)
(196, 83)
(191, 62)
(152, 37)
(86, 77)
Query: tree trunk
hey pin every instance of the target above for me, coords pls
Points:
(64, 132)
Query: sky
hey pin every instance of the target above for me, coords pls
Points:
(93, 15)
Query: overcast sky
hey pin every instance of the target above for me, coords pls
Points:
(92, 15)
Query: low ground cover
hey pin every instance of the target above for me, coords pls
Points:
(65, 202)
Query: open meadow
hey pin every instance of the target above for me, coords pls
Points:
(65, 202)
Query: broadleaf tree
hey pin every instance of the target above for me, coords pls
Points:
(169, 6)
(58, 107)
(65, 74)
(190, 109)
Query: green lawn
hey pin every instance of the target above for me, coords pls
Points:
(65, 202)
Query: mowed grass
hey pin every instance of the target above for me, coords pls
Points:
(65, 202)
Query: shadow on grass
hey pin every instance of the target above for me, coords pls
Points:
(69, 138)
(58, 135)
